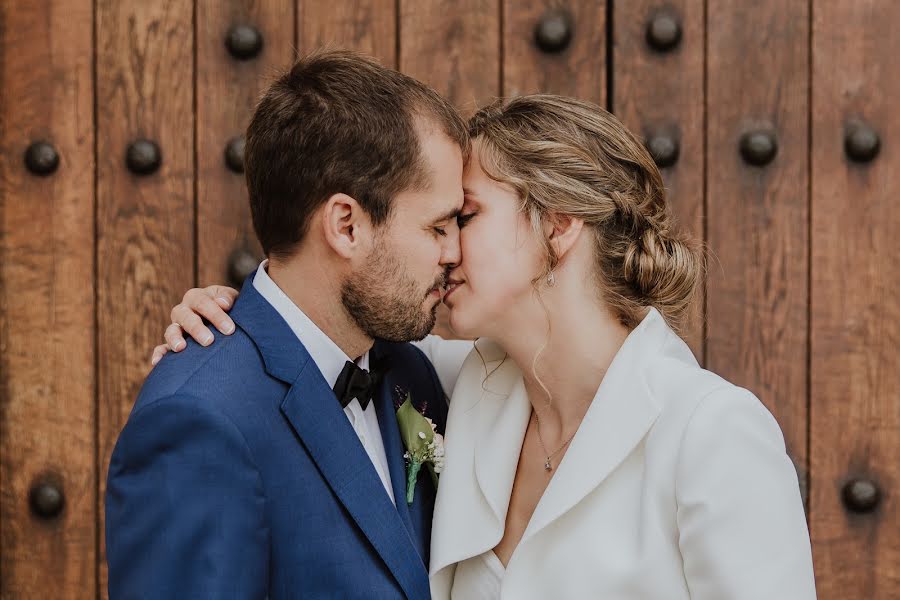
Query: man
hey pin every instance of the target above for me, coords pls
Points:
(271, 464)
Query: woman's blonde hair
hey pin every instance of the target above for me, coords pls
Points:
(567, 156)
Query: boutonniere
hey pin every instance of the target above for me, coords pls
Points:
(424, 446)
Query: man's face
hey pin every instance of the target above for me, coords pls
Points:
(394, 295)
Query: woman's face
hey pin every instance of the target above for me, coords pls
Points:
(501, 255)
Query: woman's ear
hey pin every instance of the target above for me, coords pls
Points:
(562, 232)
(346, 226)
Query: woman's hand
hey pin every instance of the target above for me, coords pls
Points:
(211, 303)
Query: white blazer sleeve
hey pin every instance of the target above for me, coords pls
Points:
(447, 356)
(742, 530)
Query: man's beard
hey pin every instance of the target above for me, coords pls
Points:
(385, 302)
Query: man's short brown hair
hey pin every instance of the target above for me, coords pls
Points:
(337, 122)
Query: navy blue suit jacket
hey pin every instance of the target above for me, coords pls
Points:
(238, 475)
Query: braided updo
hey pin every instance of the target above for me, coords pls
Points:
(566, 156)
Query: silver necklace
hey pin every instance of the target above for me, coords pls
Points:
(548, 466)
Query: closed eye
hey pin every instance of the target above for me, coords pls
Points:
(440, 231)
(462, 220)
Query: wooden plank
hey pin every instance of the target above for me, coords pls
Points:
(47, 300)
(758, 233)
(453, 46)
(578, 70)
(368, 26)
(227, 90)
(659, 93)
(855, 328)
(145, 224)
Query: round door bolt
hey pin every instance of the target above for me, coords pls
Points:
(553, 33)
(663, 148)
(41, 158)
(861, 142)
(241, 264)
(758, 148)
(46, 499)
(860, 495)
(244, 41)
(664, 31)
(143, 157)
(234, 154)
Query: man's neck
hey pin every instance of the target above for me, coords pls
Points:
(315, 290)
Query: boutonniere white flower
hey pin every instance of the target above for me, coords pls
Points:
(424, 446)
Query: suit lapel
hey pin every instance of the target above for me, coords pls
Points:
(485, 429)
(324, 430)
(394, 451)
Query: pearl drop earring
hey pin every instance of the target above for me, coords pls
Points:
(551, 280)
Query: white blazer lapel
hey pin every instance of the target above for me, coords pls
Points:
(485, 429)
(621, 413)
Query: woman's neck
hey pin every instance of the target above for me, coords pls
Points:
(575, 341)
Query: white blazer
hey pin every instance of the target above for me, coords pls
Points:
(676, 485)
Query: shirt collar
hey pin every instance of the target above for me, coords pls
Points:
(327, 355)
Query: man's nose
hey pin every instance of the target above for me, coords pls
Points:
(451, 254)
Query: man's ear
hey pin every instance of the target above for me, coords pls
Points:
(346, 225)
(562, 231)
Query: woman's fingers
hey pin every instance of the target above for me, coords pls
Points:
(174, 338)
(192, 324)
(209, 303)
(158, 353)
(223, 295)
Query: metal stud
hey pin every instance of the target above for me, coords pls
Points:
(861, 142)
(243, 41)
(41, 158)
(664, 31)
(241, 264)
(554, 31)
(663, 147)
(860, 495)
(46, 499)
(234, 154)
(143, 157)
(759, 147)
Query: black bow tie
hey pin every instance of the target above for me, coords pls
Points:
(356, 382)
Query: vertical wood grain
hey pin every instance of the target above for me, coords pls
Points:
(453, 46)
(758, 232)
(855, 372)
(662, 93)
(367, 26)
(227, 91)
(47, 425)
(145, 224)
(579, 70)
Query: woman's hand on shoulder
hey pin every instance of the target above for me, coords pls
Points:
(211, 303)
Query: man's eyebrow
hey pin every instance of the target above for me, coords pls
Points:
(451, 214)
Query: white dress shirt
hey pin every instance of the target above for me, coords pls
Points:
(330, 360)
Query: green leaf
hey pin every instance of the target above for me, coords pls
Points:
(411, 423)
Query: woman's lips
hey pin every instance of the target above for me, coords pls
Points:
(454, 285)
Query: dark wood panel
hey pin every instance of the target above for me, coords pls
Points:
(368, 26)
(47, 300)
(145, 223)
(578, 69)
(855, 374)
(227, 90)
(757, 287)
(454, 46)
(659, 95)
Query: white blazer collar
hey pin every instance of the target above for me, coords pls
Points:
(483, 445)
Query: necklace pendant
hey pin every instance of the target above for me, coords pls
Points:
(548, 466)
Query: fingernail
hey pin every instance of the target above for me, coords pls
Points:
(207, 339)
(154, 360)
(227, 328)
(178, 345)
(224, 301)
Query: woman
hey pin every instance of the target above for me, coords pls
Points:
(587, 453)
